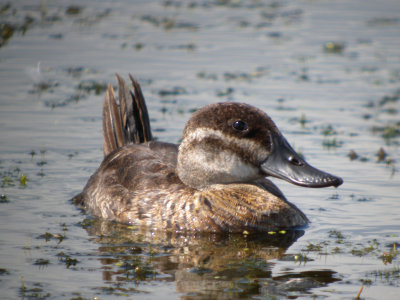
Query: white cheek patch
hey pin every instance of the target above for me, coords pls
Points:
(226, 165)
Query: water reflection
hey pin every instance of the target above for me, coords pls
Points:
(203, 266)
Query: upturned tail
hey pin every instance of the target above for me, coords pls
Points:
(127, 122)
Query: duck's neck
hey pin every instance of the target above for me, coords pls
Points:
(200, 166)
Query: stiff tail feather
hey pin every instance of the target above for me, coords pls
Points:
(126, 122)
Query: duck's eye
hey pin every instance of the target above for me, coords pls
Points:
(239, 125)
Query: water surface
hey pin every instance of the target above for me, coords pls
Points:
(327, 72)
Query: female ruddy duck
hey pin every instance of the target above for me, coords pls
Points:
(213, 181)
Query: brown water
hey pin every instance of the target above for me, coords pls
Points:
(327, 72)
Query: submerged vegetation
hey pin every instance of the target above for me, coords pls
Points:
(387, 105)
(11, 177)
(239, 265)
(330, 140)
(334, 47)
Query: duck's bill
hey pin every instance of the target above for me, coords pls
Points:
(285, 163)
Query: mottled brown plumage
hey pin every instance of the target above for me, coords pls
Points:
(214, 181)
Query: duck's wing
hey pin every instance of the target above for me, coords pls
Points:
(127, 122)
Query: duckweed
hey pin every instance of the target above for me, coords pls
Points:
(168, 23)
(352, 155)
(41, 163)
(4, 8)
(301, 258)
(89, 86)
(175, 91)
(41, 262)
(22, 179)
(390, 98)
(303, 120)
(388, 256)
(207, 76)
(188, 47)
(138, 46)
(72, 154)
(36, 292)
(381, 155)
(336, 234)
(390, 276)
(8, 29)
(4, 198)
(79, 71)
(12, 176)
(73, 10)
(334, 47)
(331, 143)
(225, 93)
(328, 130)
(7, 181)
(391, 131)
(384, 21)
(388, 132)
(64, 102)
(67, 260)
(6, 32)
(371, 248)
(136, 268)
(391, 111)
(47, 236)
(311, 247)
(237, 76)
(44, 86)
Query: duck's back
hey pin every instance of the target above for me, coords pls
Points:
(134, 183)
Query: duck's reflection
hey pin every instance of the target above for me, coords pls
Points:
(203, 266)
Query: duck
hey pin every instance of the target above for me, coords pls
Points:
(215, 180)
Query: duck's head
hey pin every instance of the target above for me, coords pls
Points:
(238, 143)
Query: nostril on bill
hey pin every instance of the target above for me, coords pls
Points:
(293, 160)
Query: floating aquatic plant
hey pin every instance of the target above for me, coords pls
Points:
(352, 155)
(73, 10)
(41, 262)
(388, 256)
(4, 198)
(67, 260)
(328, 130)
(22, 179)
(303, 120)
(12, 176)
(390, 276)
(207, 76)
(36, 292)
(225, 93)
(331, 143)
(89, 86)
(47, 236)
(334, 47)
(175, 91)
